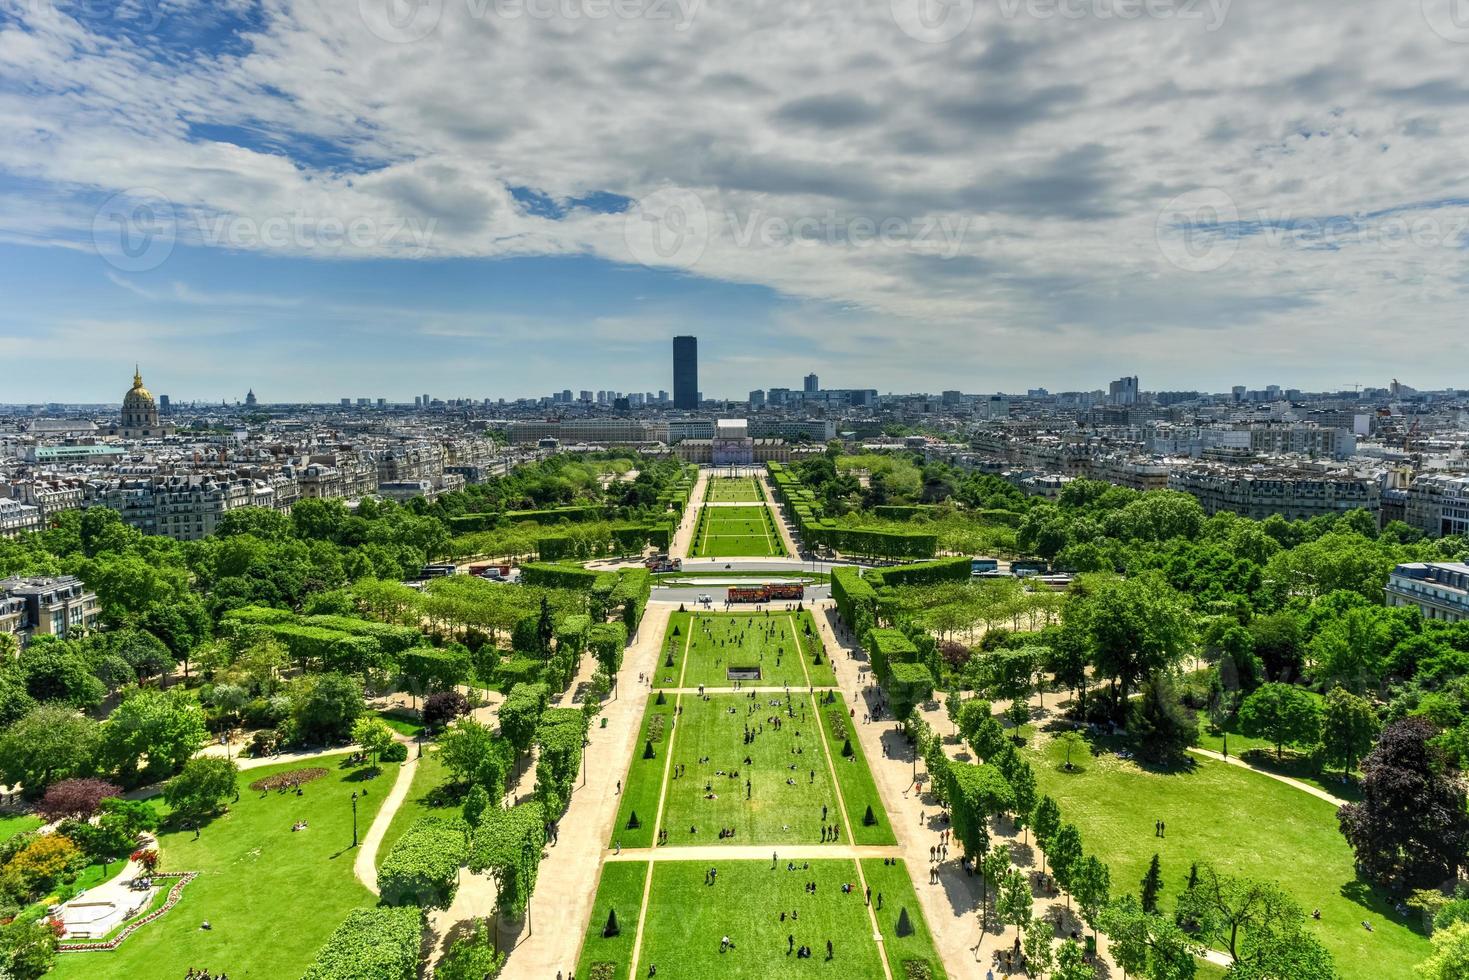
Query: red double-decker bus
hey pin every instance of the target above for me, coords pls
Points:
(770, 592)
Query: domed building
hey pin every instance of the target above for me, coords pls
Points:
(140, 413)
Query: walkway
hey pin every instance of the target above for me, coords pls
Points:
(1315, 791)
(786, 534)
(683, 537)
(757, 852)
(365, 865)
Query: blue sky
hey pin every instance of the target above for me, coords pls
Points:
(487, 198)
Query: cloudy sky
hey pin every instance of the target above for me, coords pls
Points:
(502, 197)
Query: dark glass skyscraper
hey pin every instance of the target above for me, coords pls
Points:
(686, 372)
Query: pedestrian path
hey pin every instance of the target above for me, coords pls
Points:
(1304, 787)
(781, 853)
(365, 864)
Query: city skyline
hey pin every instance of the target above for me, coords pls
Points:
(1220, 205)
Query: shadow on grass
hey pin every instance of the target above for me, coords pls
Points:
(363, 774)
(1364, 893)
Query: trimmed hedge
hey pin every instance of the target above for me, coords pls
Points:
(923, 573)
(888, 647)
(423, 866)
(557, 576)
(371, 944)
(856, 600)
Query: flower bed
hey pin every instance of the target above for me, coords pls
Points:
(174, 894)
(288, 780)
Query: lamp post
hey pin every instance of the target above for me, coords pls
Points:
(354, 818)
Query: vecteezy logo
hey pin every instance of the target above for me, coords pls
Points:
(1199, 231)
(401, 21)
(134, 230)
(1449, 19)
(669, 227)
(932, 21)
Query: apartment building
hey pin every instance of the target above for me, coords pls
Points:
(46, 607)
(1439, 589)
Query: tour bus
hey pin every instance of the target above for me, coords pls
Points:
(770, 592)
(979, 566)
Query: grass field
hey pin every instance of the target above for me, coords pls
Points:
(271, 896)
(19, 823)
(736, 532)
(858, 789)
(733, 490)
(620, 890)
(687, 918)
(896, 888)
(749, 640)
(1245, 823)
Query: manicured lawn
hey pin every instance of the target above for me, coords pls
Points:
(642, 786)
(687, 918)
(1245, 823)
(733, 490)
(789, 778)
(732, 532)
(401, 721)
(13, 825)
(621, 889)
(271, 896)
(717, 642)
(1261, 754)
(896, 888)
(427, 778)
(858, 789)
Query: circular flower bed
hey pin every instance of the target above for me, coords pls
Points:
(288, 780)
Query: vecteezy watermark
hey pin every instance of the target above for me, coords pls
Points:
(139, 15)
(136, 231)
(669, 227)
(1449, 19)
(1199, 231)
(672, 227)
(932, 21)
(402, 21)
(1210, 12)
(941, 235)
(1202, 230)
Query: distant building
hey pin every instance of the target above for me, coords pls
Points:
(1439, 504)
(812, 383)
(46, 607)
(686, 373)
(250, 400)
(140, 414)
(1123, 391)
(757, 398)
(1439, 589)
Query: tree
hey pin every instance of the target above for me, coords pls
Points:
(1014, 902)
(372, 735)
(27, 949)
(976, 793)
(1163, 725)
(1071, 963)
(163, 727)
(1348, 726)
(972, 713)
(76, 799)
(1133, 627)
(1230, 910)
(202, 788)
(472, 957)
(1283, 713)
(1039, 952)
(325, 706)
(521, 712)
(1091, 882)
(992, 867)
(1047, 820)
(1064, 851)
(1410, 829)
(1450, 959)
(464, 746)
(51, 742)
(1152, 884)
(1023, 784)
(476, 802)
(442, 707)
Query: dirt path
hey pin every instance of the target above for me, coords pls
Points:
(1315, 791)
(683, 538)
(786, 534)
(365, 865)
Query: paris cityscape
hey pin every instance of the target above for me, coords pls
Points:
(613, 489)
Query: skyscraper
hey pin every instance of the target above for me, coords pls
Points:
(812, 383)
(686, 372)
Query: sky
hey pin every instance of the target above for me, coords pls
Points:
(501, 198)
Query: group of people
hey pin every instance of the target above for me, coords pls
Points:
(804, 952)
(196, 974)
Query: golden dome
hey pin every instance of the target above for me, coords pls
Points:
(138, 396)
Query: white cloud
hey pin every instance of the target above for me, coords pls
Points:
(1046, 145)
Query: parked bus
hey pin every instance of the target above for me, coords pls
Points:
(978, 566)
(770, 592)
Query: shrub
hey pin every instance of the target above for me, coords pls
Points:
(423, 866)
(397, 752)
(76, 798)
(916, 969)
(377, 943)
(288, 780)
(443, 707)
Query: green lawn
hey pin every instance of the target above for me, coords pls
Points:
(642, 786)
(1261, 754)
(896, 888)
(718, 641)
(732, 532)
(789, 778)
(687, 918)
(271, 896)
(12, 825)
(858, 789)
(402, 721)
(733, 490)
(621, 889)
(1245, 823)
(428, 777)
